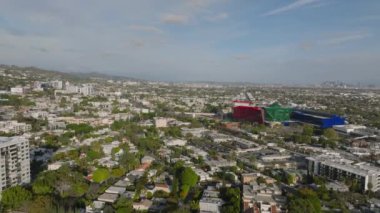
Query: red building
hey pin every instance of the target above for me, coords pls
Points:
(249, 113)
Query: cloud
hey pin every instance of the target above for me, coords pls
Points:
(293, 6)
(145, 28)
(174, 19)
(345, 38)
(332, 40)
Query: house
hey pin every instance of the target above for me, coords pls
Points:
(263, 198)
(210, 201)
(55, 165)
(175, 142)
(161, 187)
(115, 190)
(203, 176)
(143, 205)
(96, 206)
(108, 197)
(247, 178)
(147, 159)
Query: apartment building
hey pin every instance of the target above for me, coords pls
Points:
(14, 161)
(335, 167)
(14, 127)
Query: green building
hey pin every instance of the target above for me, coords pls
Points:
(277, 113)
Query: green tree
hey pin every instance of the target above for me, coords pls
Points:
(63, 182)
(117, 172)
(330, 134)
(305, 199)
(14, 197)
(308, 130)
(123, 205)
(100, 175)
(80, 129)
(231, 196)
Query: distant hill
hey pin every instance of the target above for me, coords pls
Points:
(35, 73)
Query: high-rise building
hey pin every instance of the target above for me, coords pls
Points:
(14, 161)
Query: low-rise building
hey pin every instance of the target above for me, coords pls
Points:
(339, 168)
(210, 201)
(14, 127)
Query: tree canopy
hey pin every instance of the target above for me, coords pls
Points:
(100, 175)
(14, 197)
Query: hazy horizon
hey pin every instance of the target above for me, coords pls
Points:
(260, 41)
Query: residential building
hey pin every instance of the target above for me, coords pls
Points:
(210, 201)
(336, 167)
(14, 127)
(14, 161)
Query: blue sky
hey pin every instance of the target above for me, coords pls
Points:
(261, 41)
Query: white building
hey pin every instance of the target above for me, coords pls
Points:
(17, 90)
(161, 122)
(86, 89)
(338, 168)
(14, 127)
(57, 84)
(347, 129)
(55, 165)
(175, 142)
(210, 201)
(14, 161)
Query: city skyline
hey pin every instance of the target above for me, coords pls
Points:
(295, 41)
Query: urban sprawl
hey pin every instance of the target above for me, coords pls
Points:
(99, 144)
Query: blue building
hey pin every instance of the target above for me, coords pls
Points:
(322, 120)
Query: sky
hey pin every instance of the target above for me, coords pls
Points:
(259, 41)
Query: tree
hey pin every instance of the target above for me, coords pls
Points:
(117, 172)
(63, 182)
(308, 130)
(123, 205)
(14, 197)
(100, 175)
(80, 129)
(290, 178)
(188, 177)
(185, 179)
(261, 180)
(128, 161)
(305, 199)
(41, 204)
(231, 196)
(63, 102)
(330, 134)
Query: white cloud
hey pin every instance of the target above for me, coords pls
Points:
(295, 5)
(174, 19)
(345, 38)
